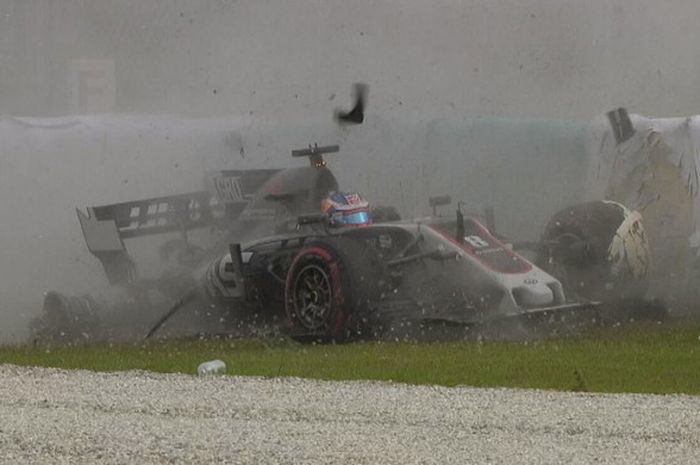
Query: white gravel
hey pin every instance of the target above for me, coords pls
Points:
(74, 417)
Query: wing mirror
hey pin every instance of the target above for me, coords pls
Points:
(439, 201)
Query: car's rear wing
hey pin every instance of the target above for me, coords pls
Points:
(105, 227)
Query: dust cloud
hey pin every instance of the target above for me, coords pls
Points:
(542, 58)
(488, 102)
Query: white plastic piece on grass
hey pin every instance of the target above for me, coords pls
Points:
(212, 367)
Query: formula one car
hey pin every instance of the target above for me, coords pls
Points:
(356, 280)
(334, 272)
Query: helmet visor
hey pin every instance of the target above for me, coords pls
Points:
(361, 217)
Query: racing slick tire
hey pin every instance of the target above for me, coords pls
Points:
(598, 250)
(327, 291)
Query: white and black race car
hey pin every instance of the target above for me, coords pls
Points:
(335, 283)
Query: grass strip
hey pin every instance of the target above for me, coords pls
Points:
(639, 358)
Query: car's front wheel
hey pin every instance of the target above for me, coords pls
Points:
(328, 289)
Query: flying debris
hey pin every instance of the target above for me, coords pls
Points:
(357, 114)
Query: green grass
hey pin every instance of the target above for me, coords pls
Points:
(641, 358)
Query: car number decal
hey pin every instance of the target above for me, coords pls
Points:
(476, 241)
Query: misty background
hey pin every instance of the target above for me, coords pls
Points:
(485, 100)
(536, 58)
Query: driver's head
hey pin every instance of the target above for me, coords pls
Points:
(346, 209)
